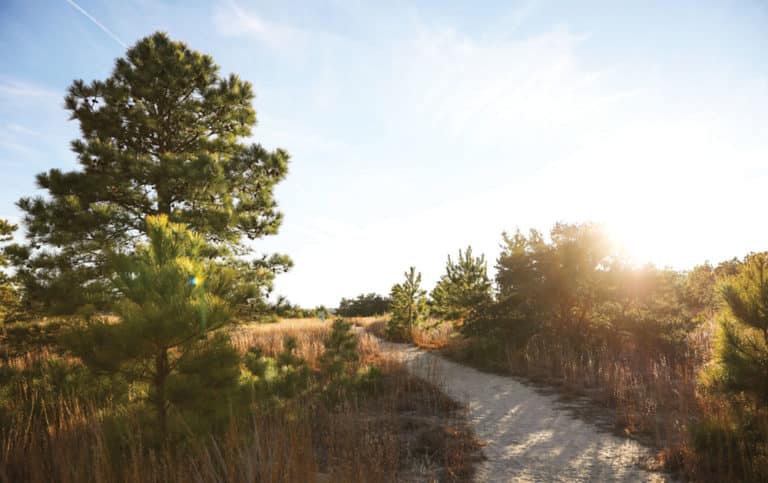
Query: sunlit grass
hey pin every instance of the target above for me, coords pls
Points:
(71, 439)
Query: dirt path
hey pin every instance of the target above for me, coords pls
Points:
(530, 436)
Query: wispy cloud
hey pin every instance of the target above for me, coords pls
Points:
(17, 128)
(14, 88)
(20, 140)
(98, 24)
(231, 19)
(17, 148)
(487, 88)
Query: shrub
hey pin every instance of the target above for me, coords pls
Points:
(337, 365)
(280, 378)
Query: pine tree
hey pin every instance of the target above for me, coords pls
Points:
(273, 379)
(340, 349)
(163, 339)
(742, 341)
(6, 233)
(161, 136)
(8, 294)
(341, 352)
(408, 306)
(463, 288)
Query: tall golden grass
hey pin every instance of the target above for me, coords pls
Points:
(432, 334)
(410, 432)
(645, 393)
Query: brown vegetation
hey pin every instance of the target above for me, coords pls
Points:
(409, 432)
(648, 395)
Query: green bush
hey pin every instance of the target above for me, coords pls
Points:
(463, 289)
(408, 306)
(741, 347)
(337, 363)
(275, 379)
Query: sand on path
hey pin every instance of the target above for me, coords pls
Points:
(529, 435)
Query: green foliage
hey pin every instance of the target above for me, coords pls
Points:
(463, 289)
(485, 352)
(574, 267)
(275, 379)
(6, 234)
(10, 304)
(340, 349)
(575, 286)
(368, 380)
(204, 385)
(654, 307)
(515, 315)
(741, 346)
(733, 446)
(20, 338)
(9, 296)
(285, 309)
(364, 305)
(548, 285)
(161, 135)
(408, 306)
(321, 312)
(337, 364)
(700, 290)
(235, 279)
(161, 342)
(38, 390)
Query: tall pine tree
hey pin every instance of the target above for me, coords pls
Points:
(163, 135)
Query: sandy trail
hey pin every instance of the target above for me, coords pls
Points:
(529, 435)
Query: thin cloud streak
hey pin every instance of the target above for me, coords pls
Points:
(23, 89)
(231, 19)
(98, 24)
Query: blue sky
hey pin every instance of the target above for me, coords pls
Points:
(418, 128)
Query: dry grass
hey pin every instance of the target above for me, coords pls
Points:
(376, 325)
(648, 395)
(651, 395)
(433, 334)
(656, 397)
(409, 432)
(309, 334)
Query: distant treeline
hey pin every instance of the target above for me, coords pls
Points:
(364, 305)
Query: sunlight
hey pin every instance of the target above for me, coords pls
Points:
(641, 240)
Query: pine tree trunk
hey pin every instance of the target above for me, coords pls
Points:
(163, 204)
(161, 374)
(410, 316)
